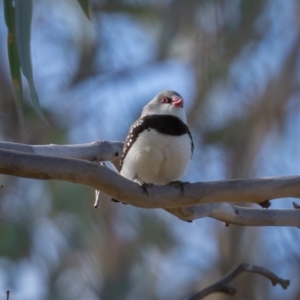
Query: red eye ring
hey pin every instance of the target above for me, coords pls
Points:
(166, 100)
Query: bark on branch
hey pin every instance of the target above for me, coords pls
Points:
(233, 214)
(95, 151)
(201, 199)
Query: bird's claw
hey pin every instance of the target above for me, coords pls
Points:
(115, 200)
(179, 184)
(265, 204)
(144, 185)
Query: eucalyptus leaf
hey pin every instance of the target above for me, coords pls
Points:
(12, 50)
(85, 7)
(23, 11)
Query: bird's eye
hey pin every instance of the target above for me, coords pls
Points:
(166, 100)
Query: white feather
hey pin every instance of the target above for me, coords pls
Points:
(157, 158)
(155, 107)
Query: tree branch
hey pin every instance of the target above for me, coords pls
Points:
(232, 214)
(201, 199)
(222, 285)
(95, 151)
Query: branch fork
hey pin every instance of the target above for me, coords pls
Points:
(80, 164)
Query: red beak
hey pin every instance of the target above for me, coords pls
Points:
(177, 101)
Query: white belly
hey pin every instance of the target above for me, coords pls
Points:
(157, 158)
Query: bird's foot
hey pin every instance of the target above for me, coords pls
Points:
(179, 184)
(115, 200)
(143, 184)
(265, 204)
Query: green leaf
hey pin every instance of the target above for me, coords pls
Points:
(85, 7)
(12, 50)
(23, 10)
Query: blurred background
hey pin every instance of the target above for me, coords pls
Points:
(236, 63)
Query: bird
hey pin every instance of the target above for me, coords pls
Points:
(159, 145)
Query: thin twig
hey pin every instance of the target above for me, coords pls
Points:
(222, 285)
(98, 194)
(97, 199)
